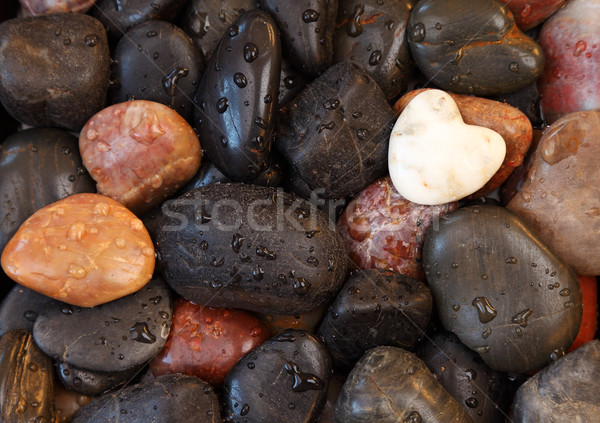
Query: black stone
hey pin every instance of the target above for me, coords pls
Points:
(250, 247)
(526, 100)
(372, 34)
(233, 120)
(166, 399)
(472, 47)
(336, 132)
(89, 382)
(483, 392)
(55, 69)
(37, 167)
(566, 390)
(26, 380)
(113, 337)
(119, 16)
(306, 31)
(159, 62)
(21, 307)
(390, 385)
(375, 307)
(282, 380)
(206, 21)
(500, 289)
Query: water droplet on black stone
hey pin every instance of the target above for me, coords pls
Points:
(141, 333)
(169, 81)
(363, 134)
(222, 104)
(413, 417)
(250, 52)
(30, 315)
(303, 381)
(521, 317)
(472, 402)
(240, 80)
(233, 30)
(375, 58)
(417, 34)
(354, 26)
(310, 15)
(91, 40)
(487, 313)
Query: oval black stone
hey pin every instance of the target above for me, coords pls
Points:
(375, 307)
(472, 47)
(245, 246)
(499, 288)
(74, 90)
(167, 399)
(157, 61)
(390, 384)
(228, 118)
(282, 380)
(113, 337)
(306, 31)
(336, 132)
(37, 167)
(484, 393)
(372, 34)
(566, 390)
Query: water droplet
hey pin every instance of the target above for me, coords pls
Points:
(233, 30)
(258, 142)
(354, 26)
(331, 104)
(217, 261)
(291, 406)
(204, 245)
(486, 333)
(417, 34)
(564, 292)
(310, 15)
(303, 381)
(236, 242)
(76, 271)
(486, 311)
(141, 333)
(221, 15)
(556, 354)
(375, 58)
(289, 82)
(511, 260)
(33, 367)
(356, 115)
(250, 52)
(363, 134)
(413, 417)
(471, 374)
(222, 104)
(245, 409)
(268, 98)
(261, 122)
(30, 315)
(263, 251)
(251, 365)
(521, 317)
(91, 40)
(258, 273)
(163, 314)
(240, 79)
(570, 304)
(580, 47)
(312, 261)
(472, 402)
(482, 349)
(285, 337)
(120, 242)
(328, 126)
(169, 81)
(456, 307)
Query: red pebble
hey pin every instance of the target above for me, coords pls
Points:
(383, 230)
(571, 43)
(207, 342)
(589, 321)
(530, 13)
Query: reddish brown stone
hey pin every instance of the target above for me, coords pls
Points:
(530, 13)
(560, 198)
(509, 122)
(207, 342)
(571, 43)
(383, 230)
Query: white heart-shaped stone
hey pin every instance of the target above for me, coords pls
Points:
(434, 157)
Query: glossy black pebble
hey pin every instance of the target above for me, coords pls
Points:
(206, 21)
(167, 399)
(55, 69)
(306, 31)
(483, 392)
(566, 390)
(472, 47)
(283, 380)
(375, 307)
(119, 16)
(26, 380)
(500, 289)
(21, 307)
(372, 34)
(113, 337)
(249, 247)
(37, 167)
(159, 62)
(89, 382)
(236, 101)
(336, 132)
(390, 385)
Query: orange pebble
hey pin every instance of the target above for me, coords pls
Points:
(589, 321)
(85, 250)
